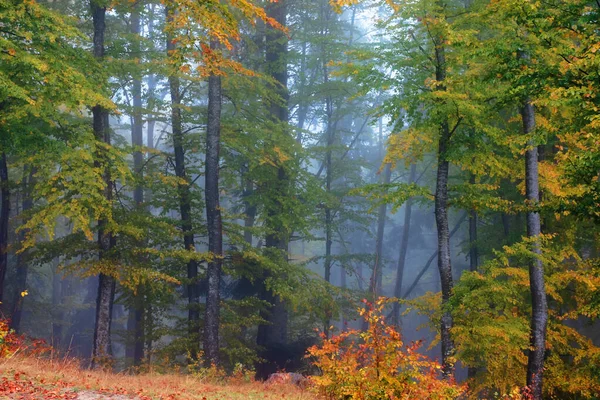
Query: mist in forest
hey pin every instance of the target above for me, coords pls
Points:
(227, 182)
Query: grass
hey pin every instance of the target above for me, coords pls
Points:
(38, 378)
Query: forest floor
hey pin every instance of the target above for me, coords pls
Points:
(33, 378)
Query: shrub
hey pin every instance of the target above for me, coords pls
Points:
(11, 343)
(376, 364)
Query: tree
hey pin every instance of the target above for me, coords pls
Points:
(213, 217)
(274, 332)
(37, 70)
(106, 240)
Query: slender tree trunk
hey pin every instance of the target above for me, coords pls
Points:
(106, 287)
(22, 267)
(377, 274)
(213, 217)
(273, 334)
(403, 249)
(330, 132)
(505, 225)
(473, 250)
(57, 309)
(249, 209)
(441, 218)
(135, 323)
(375, 282)
(4, 214)
(151, 85)
(539, 305)
(185, 198)
(473, 256)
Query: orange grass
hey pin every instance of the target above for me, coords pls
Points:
(44, 375)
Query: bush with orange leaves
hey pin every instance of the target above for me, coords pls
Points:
(11, 343)
(376, 364)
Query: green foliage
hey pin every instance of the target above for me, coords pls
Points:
(44, 71)
(491, 310)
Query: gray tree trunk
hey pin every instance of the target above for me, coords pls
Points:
(106, 288)
(539, 305)
(185, 198)
(441, 219)
(213, 217)
(135, 323)
(22, 267)
(403, 249)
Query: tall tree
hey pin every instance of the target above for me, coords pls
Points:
(441, 210)
(275, 332)
(135, 321)
(184, 189)
(106, 241)
(539, 303)
(22, 267)
(213, 219)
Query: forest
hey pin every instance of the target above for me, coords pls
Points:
(398, 199)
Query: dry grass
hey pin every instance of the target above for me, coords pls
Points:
(66, 379)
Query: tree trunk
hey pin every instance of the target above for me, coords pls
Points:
(22, 267)
(249, 209)
(57, 308)
(441, 219)
(273, 334)
(106, 287)
(473, 250)
(213, 217)
(539, 305)
(377, 273)
(330, 132)
(135, 323)
(473, 256)
(185, 198)
(375, 282)
(403, 250)
(4, 214)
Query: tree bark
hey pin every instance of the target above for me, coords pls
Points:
(213, 217)
(185, 198)
(4, 214)
(539, 305)
(106, 288)
(441, 218)
(22, 267)
(403, 249)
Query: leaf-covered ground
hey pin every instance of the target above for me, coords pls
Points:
(30, 378)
